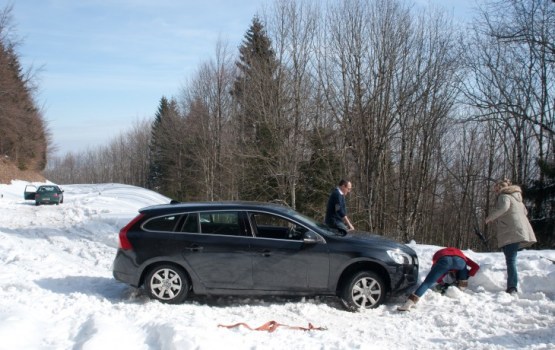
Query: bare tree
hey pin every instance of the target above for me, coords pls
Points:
(371, 91)
(512, 85)
(388, 82)
(292, 26)
(208, 105)
(123, 160)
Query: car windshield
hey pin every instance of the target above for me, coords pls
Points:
(313, 222)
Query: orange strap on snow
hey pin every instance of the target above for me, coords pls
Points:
(271, 326)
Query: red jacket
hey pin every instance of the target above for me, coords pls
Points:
(450, 251)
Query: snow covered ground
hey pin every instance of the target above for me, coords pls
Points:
(57, 292)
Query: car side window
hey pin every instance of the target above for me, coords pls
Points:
(273, 226)
(190, 223)
(162, 223)
(226, 223)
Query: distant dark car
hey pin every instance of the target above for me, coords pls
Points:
(244, 248)
(46, 194)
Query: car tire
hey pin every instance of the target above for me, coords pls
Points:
(37, 204)
(167, 283)
(362, 291)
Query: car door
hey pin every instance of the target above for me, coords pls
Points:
(219, 253)
(282, 261)
(30, 192)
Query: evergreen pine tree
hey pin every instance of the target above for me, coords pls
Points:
(166, 140)
(155, 171)
(542, 195)
(319, 175)
(256, 91)
(25, 137)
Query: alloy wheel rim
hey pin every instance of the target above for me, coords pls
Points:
(366, 293)
(166, 284)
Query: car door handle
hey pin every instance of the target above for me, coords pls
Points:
(195, 248)
(266, 252)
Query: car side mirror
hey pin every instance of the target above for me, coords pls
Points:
(311, 238)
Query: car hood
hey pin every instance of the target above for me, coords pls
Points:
(372, 240)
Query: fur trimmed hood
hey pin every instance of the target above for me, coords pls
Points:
(512, 190)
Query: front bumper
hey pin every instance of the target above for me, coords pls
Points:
(404, 280)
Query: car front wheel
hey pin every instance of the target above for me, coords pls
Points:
(167, 283)
(364, 290)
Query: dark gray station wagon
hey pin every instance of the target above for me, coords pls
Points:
(245, 248)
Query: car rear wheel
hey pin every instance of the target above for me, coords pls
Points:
(167, 283)
(364, 290)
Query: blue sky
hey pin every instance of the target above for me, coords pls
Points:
(106, 63)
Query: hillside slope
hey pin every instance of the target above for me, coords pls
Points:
(9, 172)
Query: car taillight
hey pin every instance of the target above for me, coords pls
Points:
(55, 195)
(123, 240)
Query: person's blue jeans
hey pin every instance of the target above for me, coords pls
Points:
(510, 251)
(441, 267)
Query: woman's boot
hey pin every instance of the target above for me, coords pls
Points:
(413, 299)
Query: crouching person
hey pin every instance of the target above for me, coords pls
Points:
(444, 261)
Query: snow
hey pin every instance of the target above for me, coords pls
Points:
(57, 292)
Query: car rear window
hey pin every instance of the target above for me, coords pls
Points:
(163, 223)
(46, 189)
(227, 223)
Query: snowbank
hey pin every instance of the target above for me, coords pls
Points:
(57, 292)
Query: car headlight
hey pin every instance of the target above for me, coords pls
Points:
(399, 256)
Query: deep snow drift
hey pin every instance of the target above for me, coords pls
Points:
(57, 292)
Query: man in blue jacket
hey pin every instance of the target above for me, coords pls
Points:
(336, 210)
